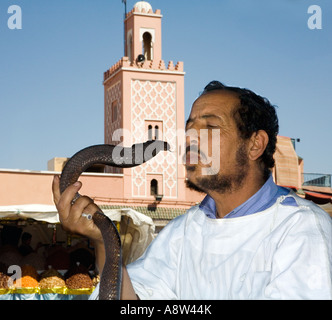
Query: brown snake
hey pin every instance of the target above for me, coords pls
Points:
(116, 156)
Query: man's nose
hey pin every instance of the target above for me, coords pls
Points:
(192, 137)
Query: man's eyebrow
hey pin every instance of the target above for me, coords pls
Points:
(205, 116)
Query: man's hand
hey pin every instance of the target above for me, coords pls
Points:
(70, 215)
(71, 219)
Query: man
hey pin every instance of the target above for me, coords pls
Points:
(248, 239)
(25, 248)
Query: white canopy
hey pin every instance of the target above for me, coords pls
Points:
(49, 213)
(39, 212)
(136, 229)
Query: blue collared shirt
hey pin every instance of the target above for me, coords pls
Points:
(264, 198)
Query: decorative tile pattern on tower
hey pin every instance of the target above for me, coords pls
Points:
(113, 117)
(155, 101)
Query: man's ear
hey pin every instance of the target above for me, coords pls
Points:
(258, 143)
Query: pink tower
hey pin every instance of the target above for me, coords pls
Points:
(144, 99)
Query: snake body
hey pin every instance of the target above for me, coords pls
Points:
(117, 156)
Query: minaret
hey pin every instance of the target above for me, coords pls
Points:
(143, 33)
(144, 99)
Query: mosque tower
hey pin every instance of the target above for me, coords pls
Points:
(144, 99)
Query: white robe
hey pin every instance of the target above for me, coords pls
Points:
(284, 252)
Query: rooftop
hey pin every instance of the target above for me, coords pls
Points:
(154, 212)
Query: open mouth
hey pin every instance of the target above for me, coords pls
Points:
(193, 156)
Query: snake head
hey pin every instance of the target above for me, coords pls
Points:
(153, 147)
(160, 145)
(167, 147)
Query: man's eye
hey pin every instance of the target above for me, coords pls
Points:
(211, 126)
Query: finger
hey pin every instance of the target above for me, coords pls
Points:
(78, 223)
(83, 205)
(70, 215)
(56, 189)
(91, 208)
(88, 211)
(64, 203)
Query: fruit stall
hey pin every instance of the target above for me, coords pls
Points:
(59, 265)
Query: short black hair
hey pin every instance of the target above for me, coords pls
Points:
(254, 113)
(26, 236)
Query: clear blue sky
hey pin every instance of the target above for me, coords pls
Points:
(51, 71)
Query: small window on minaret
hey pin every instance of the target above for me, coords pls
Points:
(114, 111)
(129, 47)
(154, 187)
(153, 129)
(150, 132)
(156, 133)
(147, 45)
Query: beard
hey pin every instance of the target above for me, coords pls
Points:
(223, 182)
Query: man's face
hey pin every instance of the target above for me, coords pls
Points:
(216, 158)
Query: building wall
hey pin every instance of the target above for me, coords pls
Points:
(19, 187)
(288, 167)
(25, 187)
(35, 187)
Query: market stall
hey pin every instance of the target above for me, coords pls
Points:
(60, 265)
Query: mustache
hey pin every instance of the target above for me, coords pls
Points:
(193, 148)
